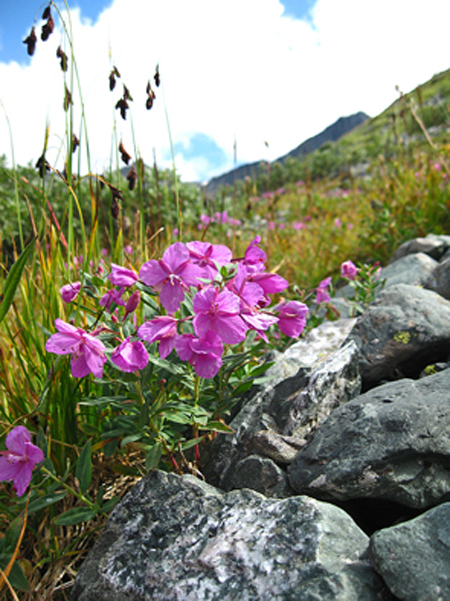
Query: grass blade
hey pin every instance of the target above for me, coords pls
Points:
(13, 279)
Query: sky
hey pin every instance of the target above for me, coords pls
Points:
(245, 78)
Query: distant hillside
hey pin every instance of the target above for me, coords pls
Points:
(331, 134)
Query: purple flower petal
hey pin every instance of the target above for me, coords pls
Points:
(171, 296)
(130, 356)
(121, 276)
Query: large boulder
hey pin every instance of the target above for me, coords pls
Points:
(403, 330)
(414, 557)
(392, 443)
(293, 407)
(177, 538)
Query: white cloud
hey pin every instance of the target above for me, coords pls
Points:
(232, 70)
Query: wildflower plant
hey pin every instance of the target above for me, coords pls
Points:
(157, 338)
(366, 283)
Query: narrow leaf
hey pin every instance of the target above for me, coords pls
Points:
(153, 456)
(45, 501)
(75, 516)
(13, 279)
(83, 470)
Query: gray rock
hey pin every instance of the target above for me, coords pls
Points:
(432, 245)
(403, 330)
(176, 538)
(293, 406)
(392, 443)
(412, 269)
(439, 279)
(263, 475)
(414, 557)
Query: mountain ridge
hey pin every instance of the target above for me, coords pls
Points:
(332, 133)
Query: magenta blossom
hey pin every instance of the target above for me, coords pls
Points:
(322, 295)
(219, 312)
(121, 276)
(112, 296)
(251, 297)
(207, 256)
(349, 270)
(70, 291)
(164, 329)
(292, 318)
(132, 303)
(254, 257)
(130, 355)
(171, 275)
(203, 354)
(88, 352)
(18, 461)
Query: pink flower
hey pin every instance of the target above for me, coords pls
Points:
(132, 303)
(121, 276)
(203, 354)
(171, 275)
(322, 295)
(207, 255)
(337, 222)
(17, 463)
(70, 291)
(271, 226)
(349, 270)
(218, 312)
(111, 297)
(292, 318)
(130, 355)
(254, 257)
(88, 352)
(164, 329)
(298, 225)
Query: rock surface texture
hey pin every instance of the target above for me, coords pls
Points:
(336, 481)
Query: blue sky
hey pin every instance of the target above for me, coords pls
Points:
(15, 22)
(242, 72)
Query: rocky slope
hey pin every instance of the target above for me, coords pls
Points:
(336, 481)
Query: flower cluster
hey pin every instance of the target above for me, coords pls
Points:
(229, 297)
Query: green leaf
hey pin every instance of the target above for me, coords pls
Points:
(13, 533)
(17, 578)
(13, 279)
(188, 444)
(75, 516)
(45, 501)
(216, 426)
(83, 470)
(153, 456)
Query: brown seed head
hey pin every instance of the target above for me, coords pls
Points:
(126, 158)
(42, 166)
(126, 93)
(132, 178)
(63, 58)
(67, 99)
(47, 29)
(75, 142)
(122, 104)
(31, 42)
(157, 77)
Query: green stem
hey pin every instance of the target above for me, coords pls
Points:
(74, 492)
